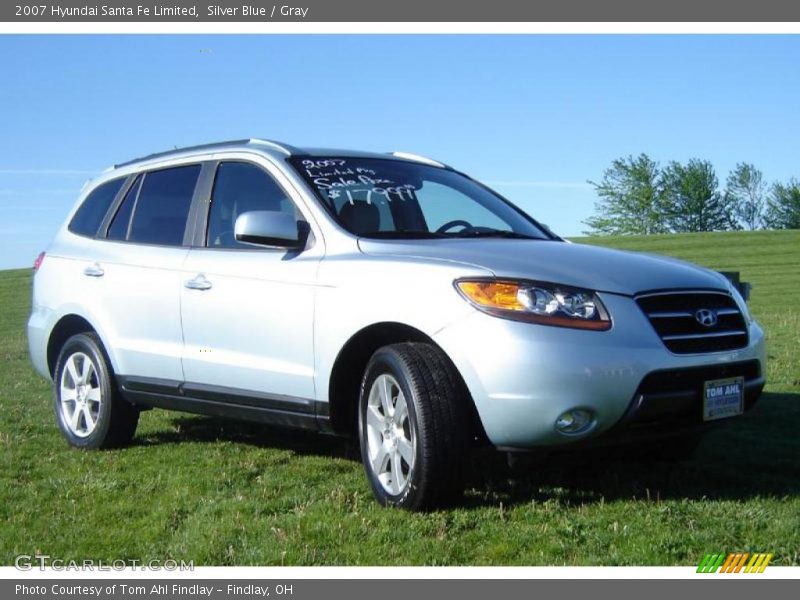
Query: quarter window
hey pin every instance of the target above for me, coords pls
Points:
(238, 188)
(91, 213)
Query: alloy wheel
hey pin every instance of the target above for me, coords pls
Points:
(391, 440)
(80, 395)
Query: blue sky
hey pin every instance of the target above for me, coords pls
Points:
(536, 116)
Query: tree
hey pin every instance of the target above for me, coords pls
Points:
(693, 200)
(630, 195)
(783, 206)
(746, 193)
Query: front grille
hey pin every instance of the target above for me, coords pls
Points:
(674, 317)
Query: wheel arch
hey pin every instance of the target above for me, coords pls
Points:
(351, 361)
(68, 325)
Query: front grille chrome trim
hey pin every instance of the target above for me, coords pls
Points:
(673, 316)
(697, 336)
(689, 314)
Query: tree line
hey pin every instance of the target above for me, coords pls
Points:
(637, 196)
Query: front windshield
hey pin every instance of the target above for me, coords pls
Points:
(387, 198)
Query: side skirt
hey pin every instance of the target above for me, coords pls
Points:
(217, 401)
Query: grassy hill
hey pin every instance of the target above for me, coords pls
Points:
(770, 260)
(219, 492)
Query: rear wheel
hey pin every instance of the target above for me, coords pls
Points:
(89, 409)
(413, 429)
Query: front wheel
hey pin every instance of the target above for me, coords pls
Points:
(89, 409)
(413, 428)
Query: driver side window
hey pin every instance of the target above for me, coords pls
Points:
(241, 187)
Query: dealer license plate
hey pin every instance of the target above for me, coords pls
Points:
(723, 398)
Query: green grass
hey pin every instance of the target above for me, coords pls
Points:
(219, 492)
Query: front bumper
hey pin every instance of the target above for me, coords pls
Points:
(522, 376)
(670, 402)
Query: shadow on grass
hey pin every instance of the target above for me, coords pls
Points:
(211, 429)
(756, 455)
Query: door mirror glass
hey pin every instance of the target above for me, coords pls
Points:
(270, 228)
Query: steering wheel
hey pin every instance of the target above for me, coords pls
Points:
(455, 223)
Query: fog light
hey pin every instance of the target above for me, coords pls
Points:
(575, 421)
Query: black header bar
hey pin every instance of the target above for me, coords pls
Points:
(338, 11)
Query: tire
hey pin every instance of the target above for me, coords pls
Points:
(90, 411)
(423, 432)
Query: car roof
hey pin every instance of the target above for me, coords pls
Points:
(272, 148)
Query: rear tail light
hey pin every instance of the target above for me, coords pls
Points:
(38, 262)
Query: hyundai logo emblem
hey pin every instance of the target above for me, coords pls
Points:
(706, 317)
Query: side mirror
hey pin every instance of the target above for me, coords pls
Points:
(271, 228)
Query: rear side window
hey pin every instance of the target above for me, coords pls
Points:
(91, 213)
(162, 208)
(118, 230)
(156, 208)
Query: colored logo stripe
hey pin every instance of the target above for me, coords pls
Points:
(758, 563)
(710, 563)
(738, 562)
(728, 562)
(734, 562)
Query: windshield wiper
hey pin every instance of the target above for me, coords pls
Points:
(406, 234)
(496, 233)
(423, 234)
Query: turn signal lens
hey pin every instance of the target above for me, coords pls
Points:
(493, 294)
(536, 302)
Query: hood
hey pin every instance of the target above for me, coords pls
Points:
(578, 265)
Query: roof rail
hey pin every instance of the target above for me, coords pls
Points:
(419, 158)
(285, 148)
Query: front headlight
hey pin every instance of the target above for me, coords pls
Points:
(536, 302)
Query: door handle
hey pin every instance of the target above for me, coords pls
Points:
(94, 270)
(198, 283)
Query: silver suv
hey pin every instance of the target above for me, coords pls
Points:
(384, 296)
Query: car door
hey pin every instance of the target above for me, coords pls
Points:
(137, 272)
(247, 311)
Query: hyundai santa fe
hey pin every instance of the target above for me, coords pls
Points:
(385, 296)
